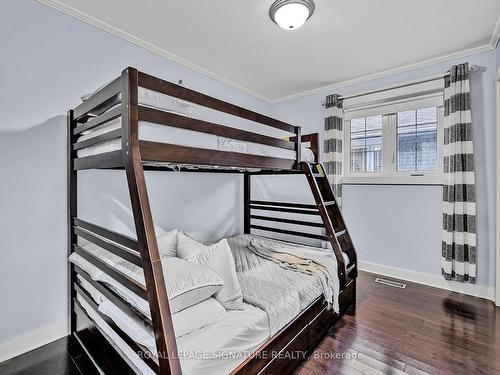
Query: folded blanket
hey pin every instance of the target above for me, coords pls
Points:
(303, 259)
(281, 291)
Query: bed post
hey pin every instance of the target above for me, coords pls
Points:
(146, 237)
(247, 181)
(314, 145)
(72, 213)
(298, 146)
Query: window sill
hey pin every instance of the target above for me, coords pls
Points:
(434, 179)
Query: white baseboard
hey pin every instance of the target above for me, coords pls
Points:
(32, 340)
(430, 280)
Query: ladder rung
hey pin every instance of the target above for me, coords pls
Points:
(340, 233)
(318, 175)
(329, 203)
(350, 268)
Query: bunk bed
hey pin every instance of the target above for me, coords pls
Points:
(109, 130)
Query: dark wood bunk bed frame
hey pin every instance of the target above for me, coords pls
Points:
(120, 98)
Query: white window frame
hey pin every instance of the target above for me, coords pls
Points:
(389, 174)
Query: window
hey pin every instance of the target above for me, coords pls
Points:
(417, 140)
(400, 147)
(366, 144)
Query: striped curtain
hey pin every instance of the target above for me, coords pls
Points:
(459, 201)
(334, 135)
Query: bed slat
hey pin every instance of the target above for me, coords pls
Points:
(284, 209)
(290, 232)
(287, 221)
(126, 281)
(117, 300)
(98, 99)
(117, 133)
(285, 204)
(148, 359)
(156, 84)
(130, 256)
(112, 159)
(103, 353)
(165, 152)
(171, 119)
(119, 238)
(99, 120)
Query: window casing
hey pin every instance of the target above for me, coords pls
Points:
(405, 149)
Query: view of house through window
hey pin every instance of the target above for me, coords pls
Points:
(417, 140)
(366, 144)
(395, 143)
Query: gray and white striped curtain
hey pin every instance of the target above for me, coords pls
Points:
(333, 147)
(459, 201)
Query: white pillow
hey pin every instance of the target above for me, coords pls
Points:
(167, 243)
(187, 283)
(185, 321)
(218, 258)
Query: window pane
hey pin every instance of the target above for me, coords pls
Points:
(366, 144)
(417, 140)
(358, 160)
(427, 148)
(406, 152)
(357, 125)
(426, 115)
(406, 118)
(358, 143)
(374, 122)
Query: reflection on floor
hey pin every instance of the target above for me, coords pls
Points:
(417, 330)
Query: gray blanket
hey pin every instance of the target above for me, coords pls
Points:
(282, 278)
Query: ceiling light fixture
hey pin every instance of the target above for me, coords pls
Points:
(291, 14)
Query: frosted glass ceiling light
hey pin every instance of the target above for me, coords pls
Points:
(291, 14)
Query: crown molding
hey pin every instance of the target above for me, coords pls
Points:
(389, 72)
(116, 31)
(496, 35)
(82, 16)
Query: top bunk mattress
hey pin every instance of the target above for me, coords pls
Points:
(166, 134)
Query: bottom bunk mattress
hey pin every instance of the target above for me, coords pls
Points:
(274, 294)
(215, 349)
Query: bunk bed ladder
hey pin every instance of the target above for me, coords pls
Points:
(334, 224)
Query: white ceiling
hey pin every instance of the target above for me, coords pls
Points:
(235, 41)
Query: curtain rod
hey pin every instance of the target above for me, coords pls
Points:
(472, 69)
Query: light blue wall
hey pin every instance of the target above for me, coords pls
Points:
(48, 60)
(498, 60)
(400, 226)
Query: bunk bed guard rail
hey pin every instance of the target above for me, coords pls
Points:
(120, 98)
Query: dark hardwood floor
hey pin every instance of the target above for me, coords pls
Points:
(52, 358)
(417, 330)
